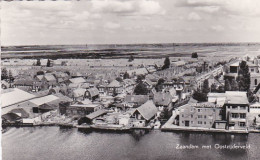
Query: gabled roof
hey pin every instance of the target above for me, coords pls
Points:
(13, 96)
(45, 99)
(96, 114)
(114, 83)
(21, 112)
(147, 110)
(93, 92)
(79, 92)
(11, 117)
(24, 81)
(77, 80)
(50, 77)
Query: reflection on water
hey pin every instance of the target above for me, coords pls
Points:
(64, 143)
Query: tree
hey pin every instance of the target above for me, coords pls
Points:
(199, 96)
(141, 89)
(194, 55)
(38, 63)
(206, 88)
(166, 63)
(11, 78)
(119, 79)
(140, 78)
(234, 85)
(227, 85)
(131, 58)
(4, 74)
(159, 83)
(126, 75)
(213, 88)
(40, 73)
(48, 63)
(244, 76)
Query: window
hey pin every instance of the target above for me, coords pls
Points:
(199, 122)
(252, 69)
(198, 110)
(242, 115)
(234, 115)
(199, 116)
(205, 116)
(242, 124)
(234, 107)
(191, 122)
(182, 115)
(242, 107)
(255, 81)
(191, 116)
(205, 122)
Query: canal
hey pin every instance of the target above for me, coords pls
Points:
(55, 143)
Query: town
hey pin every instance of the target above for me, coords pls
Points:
(169, 94)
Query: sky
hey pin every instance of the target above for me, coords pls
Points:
(129, 21)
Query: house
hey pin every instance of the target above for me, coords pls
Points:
(217, 98)
(200, 115)
(253, 68)
(49, 79)
(114, 87)
(236, 110)
(163, 100)
(78, 109)
(254, 80)
(24, 83)
(255, 108)
(128, 85)
(78, 80)
(45, 104)
(92, 93)
(133, 101)
(233, 71)
(78, 94)
(143, 114)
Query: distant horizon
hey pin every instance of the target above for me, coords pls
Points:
(131, 43)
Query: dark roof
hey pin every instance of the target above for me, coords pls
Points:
(11, 117)
(24, 81)
(23, 113)
(162, 98)
(96, 114)
(147, 110)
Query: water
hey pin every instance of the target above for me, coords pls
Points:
(51, 143)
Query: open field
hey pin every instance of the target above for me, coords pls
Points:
(123, 51)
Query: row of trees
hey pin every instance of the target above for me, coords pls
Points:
(5, 75)
(38, 63)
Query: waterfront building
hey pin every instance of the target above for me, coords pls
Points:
(143, 114)
(236, 110)
(78, 109)
(200, 115)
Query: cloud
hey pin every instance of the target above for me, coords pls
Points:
(112, 25)
(128, 8)
(194, 16)
(217, 28)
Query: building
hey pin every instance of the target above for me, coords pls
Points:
(92, 93)
(200, 115)
(114, 87)
(236, 110)
(254, 80)
(134, 101)
(163, 100)
(78, 109)
(143, 114)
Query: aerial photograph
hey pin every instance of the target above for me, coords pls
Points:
(130, 80)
